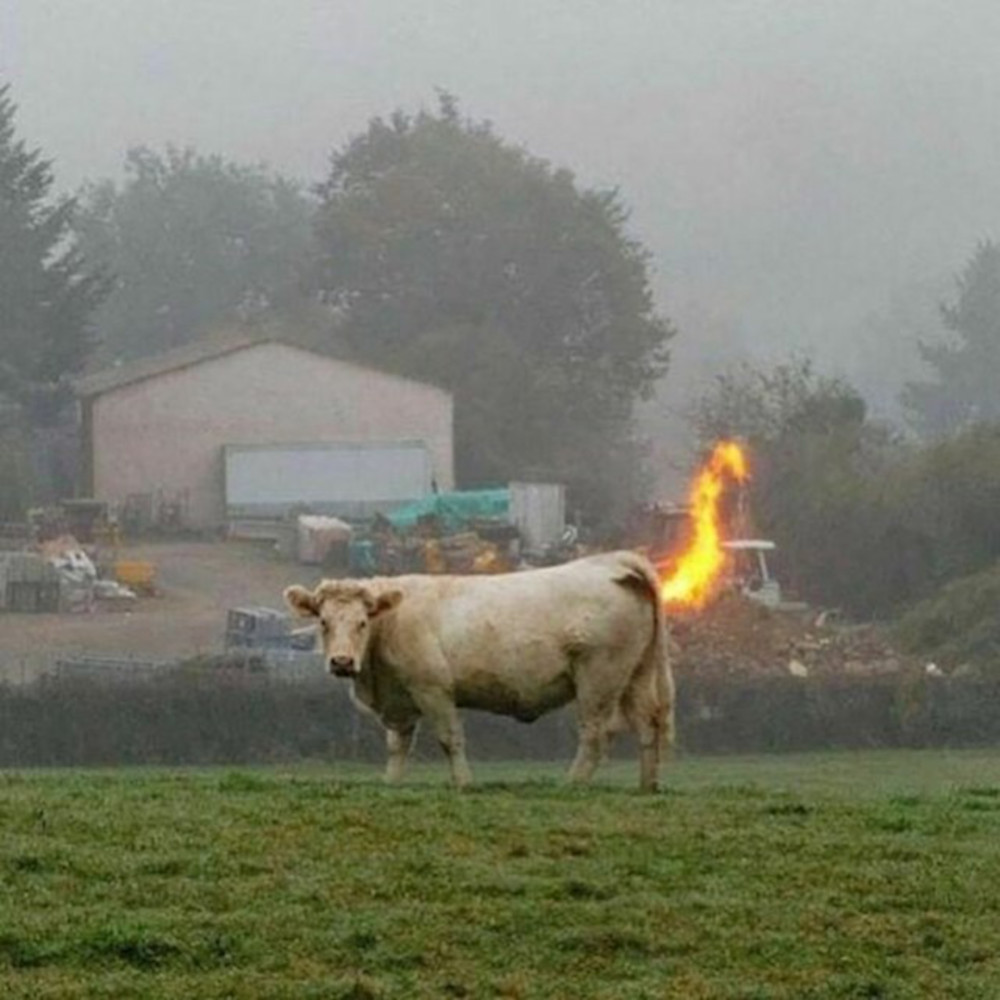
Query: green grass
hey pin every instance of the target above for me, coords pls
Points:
(853, 875)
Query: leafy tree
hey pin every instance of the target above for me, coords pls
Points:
(17, 478)
(768, 405)
(863, 521)
(966, 368)
(950, 493)
(192, 241)
(464, 260)
(820, 485)
(47, 293)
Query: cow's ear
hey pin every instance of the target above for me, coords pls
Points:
(386, 601)
(302, 602)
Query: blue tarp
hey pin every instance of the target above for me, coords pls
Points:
(454, 510)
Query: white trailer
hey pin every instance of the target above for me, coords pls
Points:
(349, 480)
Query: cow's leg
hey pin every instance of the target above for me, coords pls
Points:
(649, 718)
(398, 741)
(590, 752)
(443, 718)
(597, 696)
(649, 754)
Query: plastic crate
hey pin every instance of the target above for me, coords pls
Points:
(257, 628)
(32, 596)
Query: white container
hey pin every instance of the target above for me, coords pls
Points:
(538, 511)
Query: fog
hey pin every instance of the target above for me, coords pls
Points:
(806, 176)
(432, 364)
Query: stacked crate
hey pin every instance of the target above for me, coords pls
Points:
(28, 583)
(258, 628)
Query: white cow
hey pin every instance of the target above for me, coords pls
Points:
(519, 644)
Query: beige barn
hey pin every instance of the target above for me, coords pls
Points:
(161, 426)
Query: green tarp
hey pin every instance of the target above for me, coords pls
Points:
(454, 510)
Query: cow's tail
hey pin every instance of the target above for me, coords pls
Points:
(654, 669)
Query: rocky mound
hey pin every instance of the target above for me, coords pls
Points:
(737, 636)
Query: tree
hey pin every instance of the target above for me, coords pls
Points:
(863, 520)
(192, 241)
(460, 259)
(966, 368)
(47, 293)
(820, 484)
(769, 405)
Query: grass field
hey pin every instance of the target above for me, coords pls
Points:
(861, 875)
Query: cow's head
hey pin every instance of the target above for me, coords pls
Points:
(346, 611)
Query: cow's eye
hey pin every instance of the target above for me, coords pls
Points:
(363, 624)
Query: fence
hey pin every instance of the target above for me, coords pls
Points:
(215, 712)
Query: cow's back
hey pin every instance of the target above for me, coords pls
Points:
(512, 643)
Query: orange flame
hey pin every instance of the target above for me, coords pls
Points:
(698, 568)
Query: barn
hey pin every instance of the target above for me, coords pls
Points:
(172, 429)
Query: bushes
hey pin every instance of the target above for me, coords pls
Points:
(183, 717)
(863, 521)
(950, 494)
(177, 717)
(960, 624)
(770, 714)
(188, 715)
(907, 526)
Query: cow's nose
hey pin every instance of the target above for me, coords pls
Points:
(342, 665)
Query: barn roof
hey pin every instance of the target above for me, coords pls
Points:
(100, 382)
(208, 349)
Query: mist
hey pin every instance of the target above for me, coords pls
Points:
(807, 178)
(286, 369)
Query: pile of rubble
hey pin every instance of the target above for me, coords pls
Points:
(736, 636)
(58, 575)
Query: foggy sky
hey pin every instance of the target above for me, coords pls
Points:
(796, 168)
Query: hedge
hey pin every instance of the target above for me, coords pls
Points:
(192, 717)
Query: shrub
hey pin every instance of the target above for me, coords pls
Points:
(190, 717)
(960, 624)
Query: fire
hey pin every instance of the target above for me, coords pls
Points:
(698, 568)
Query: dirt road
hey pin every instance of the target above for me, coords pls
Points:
(198, 582)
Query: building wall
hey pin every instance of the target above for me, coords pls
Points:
(166, 433)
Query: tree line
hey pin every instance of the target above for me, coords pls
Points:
(435, 248)
(870, 518)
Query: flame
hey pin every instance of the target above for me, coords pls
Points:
(697, 568)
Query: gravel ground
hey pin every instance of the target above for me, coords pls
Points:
(198, 582)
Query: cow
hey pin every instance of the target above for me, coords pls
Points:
(518, 644)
